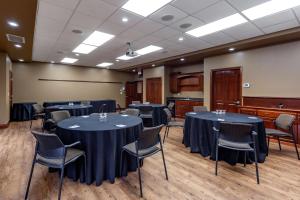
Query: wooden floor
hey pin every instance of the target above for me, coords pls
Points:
(190, 175)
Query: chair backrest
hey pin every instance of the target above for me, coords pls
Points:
(132, 111)
(200, 109)
(38, 108)
(85, 103)
(102, 108)
(236, 132)
(149, 137)
(49, 145)
(285, 121)
(168, 114)
(171, 105)
(60, 115)
(135, 102)
(145, 109)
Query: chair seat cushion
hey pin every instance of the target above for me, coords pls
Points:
(72, 155)
(131, 148)
(276, 132)
(235, 145)
(176, 123)
(146, 116)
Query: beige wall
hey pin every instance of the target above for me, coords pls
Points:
(271, 71)
(27, 87)
(5, 66)
(185, 69)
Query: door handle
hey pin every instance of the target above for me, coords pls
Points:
(237, 102)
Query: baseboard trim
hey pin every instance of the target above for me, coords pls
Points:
(2, 126)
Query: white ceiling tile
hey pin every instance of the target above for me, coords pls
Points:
(216, 12)
(131, 35)
(192, 6)
(218, 38)
(118, 3)
(282, 26)
(85, 21)
(168, 10)
(191, 42)
(188, 20)
(68, 4)
(96, 8)
(165, 33)
(297, 12)
(147, 26)
(54, 12)
(146, 41)
(274, 19)
(111, 28)
(245, 4)
(116, 18)
(243, 31)
(48, 27)
(68, 36)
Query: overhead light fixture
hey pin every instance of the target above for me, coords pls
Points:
(148, 49)
(69, 60)
(117, 60)
(269, 8)
(133, 70)
(144, 7)
(104, 64)
(182, 59)
(18, 45)
(84, 49)
(124, 57)
(21, 60)
(98, 38)
(76, 54)
(13, 24)
(153, 65)
(124, 19)
(231, 49)
(52, 61)
(180, 38)
(222, 24)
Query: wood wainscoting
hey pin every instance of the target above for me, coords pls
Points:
(269, 108)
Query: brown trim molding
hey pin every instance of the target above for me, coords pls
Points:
(80, 81)
(2, 126)
(272, 102)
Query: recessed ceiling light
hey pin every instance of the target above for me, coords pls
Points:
(98, 38)
(21, 60)
(148, 49)
(52, 61)
(231, 49)
(167, 18)
(153, 65)
(117, 60)
(13, 24)
(270, 7)
(69, 60)
(180, 38)
(84, 49)
(144, 7)
(104, 64)
(186, 25)
(76, 54)
(18, 45)
(218, 25)
(124, 57)
(133, 70)
(124, 19)
(182, 59)
(77, 31)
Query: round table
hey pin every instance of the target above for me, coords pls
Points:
(200, 137)
(74, 110)
(159, 116)
(102, 140)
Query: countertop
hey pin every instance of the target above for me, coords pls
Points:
(184, 99)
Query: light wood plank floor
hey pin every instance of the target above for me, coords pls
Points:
(190, 175)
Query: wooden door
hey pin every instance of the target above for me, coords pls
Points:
(154, 90)
(226, 89)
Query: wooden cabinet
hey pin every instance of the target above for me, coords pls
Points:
(184, 106)
(173, 83)
(186, 82)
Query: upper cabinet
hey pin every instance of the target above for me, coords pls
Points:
(186, 82)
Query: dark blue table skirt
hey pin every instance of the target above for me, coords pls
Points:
(200, 137)
(110, 104)
(75, 110)
(159, 116)
(22, 111)
(102, 148)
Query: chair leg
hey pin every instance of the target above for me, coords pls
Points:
(256, 166)
(245, 156)
(165, 167)
(29, 181)
(279, 143)
(294, 140)
(268, 145)
(168, 131)
(61, 182)
(217, 155)
(140, 178)
(165, 134)
(85, 169)
(30, 123)
(121, 162)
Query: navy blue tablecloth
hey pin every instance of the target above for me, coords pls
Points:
(159, 116)
(74, 110)
(102, 142)
(22, 111)
(200, 137)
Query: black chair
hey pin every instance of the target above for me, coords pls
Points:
(171, 123)
(284, 122)
(146, 113)
(200, 109)
(146, 145)
(239, 137)
(135, 102)
(56, 116)
(39, 113)
(131, 111)
(171, 107)
(102, 108)
(85, 103)
(51, 152)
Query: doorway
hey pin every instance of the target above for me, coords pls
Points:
(134, 92)
(154, 90)
(226, 87)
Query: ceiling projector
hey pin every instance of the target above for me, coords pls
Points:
(130, 52)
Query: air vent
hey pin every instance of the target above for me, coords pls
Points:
(15, 38)
(167, 18)
(184, 26)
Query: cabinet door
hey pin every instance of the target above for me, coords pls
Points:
(173, 83)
